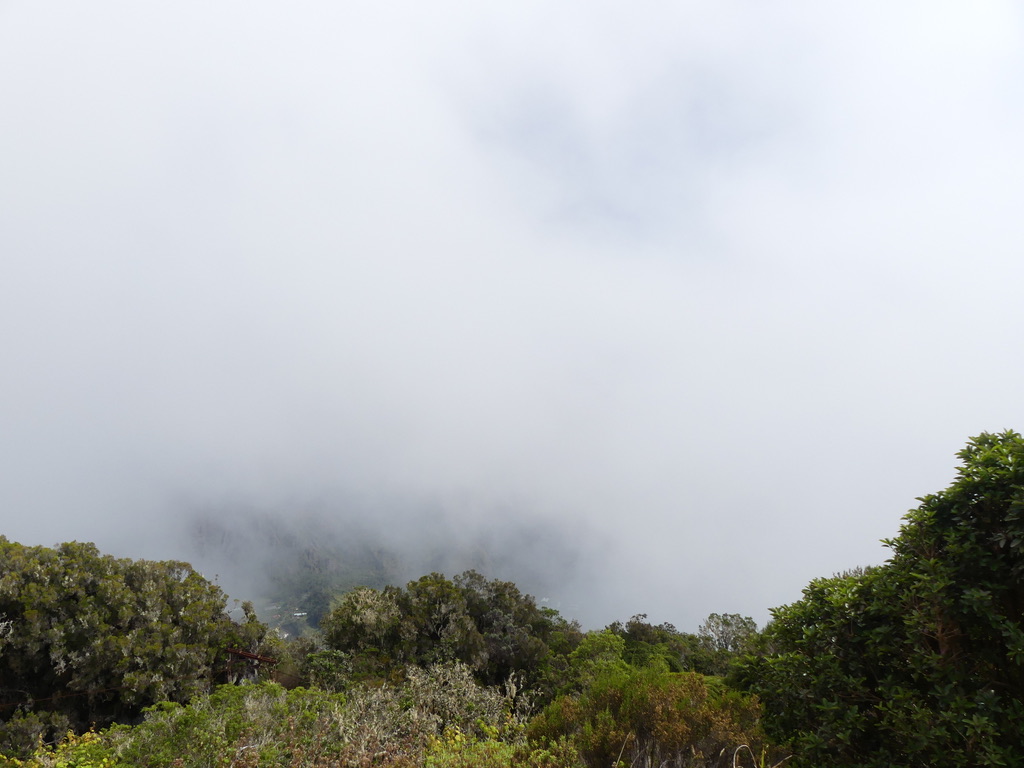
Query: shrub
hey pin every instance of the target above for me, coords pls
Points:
(88, 750)
(265, 725)
(649, 717)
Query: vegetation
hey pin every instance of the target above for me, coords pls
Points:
(916, 662)
(489, 625)
(719, 641)
(651, 717)
(919, 661)
(89, 639)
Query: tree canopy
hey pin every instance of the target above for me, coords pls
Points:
(89, 638)
(919, 661)
(487, 624)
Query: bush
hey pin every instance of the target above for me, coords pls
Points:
(265, 725)
(649, 717)
(88, 750)
(456, 750)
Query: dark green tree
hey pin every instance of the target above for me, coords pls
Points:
(438, 626)
(489, 625)
(920, 661)
(514, 630)
(88, 638)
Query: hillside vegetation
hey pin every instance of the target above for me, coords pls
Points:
(112, 662)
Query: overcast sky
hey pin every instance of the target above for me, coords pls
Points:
(725, 284)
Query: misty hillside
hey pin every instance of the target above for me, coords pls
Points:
(399, 346)
(914, 662)
(300, 562)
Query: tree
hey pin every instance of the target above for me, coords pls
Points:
(514, 630)
(88, 638)
(648, 644)
(367, 621)
(489, 625)
(599, 653)
(919, 661)
(727, 632)
(438, 623)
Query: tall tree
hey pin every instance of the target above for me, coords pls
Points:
(93, 638)
(919, 661)
(487, 624)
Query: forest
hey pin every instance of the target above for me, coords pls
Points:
(918, 661)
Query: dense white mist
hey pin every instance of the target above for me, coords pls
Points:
(714, 288)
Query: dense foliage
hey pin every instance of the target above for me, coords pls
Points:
(266, 725)
(719, 641)
(438, 715)
(488, 625)
(920, 661)
(648, 717)
(88, 639)
(441, 673)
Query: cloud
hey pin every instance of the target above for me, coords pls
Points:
(723, 285)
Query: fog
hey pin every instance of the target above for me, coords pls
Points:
(675, 306)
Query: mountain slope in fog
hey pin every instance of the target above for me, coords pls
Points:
(300, 561)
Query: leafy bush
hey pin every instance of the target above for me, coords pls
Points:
(265, 725)
(88, 750)
(27, 728)
(649, 717)
(455, 750)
